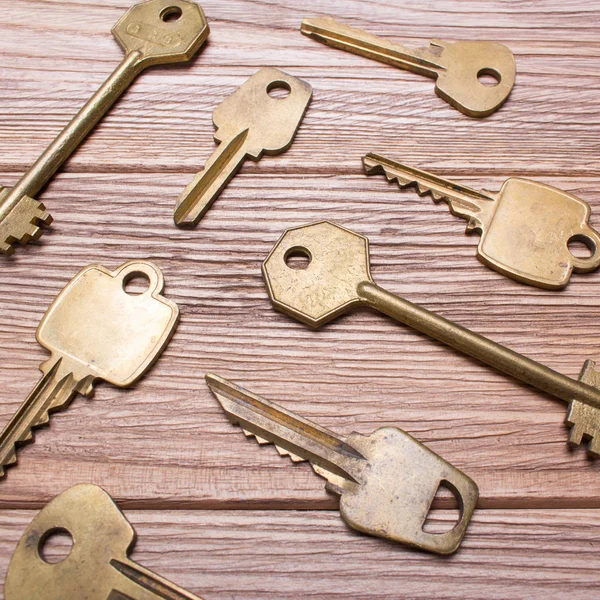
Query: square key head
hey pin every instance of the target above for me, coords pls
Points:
(338, 261)
(104, 330)
(162, 31)
(397, 487)
(529, 235)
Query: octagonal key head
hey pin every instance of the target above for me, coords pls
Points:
(162, 31)
(338, 261)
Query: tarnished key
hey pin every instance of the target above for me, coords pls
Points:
(94, 330)
(526, 227)
(97, 566)
(338, 278)
(456, 67)
(387, 480)
(249, 123)
(151, 33)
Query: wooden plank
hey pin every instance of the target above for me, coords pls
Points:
(262, 555)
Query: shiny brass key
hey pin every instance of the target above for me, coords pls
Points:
(386, 481)
(526, 227)
(338, 278)
(249, 123)
(94, 330)
(151, 33)
(456, 67)
(97, 567)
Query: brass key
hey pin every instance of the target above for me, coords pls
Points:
(456, 67)
(386, 481)
(249, 123)
(94, 330)
(97, 567)
(338, 278)
(151, 33)
(525, 228)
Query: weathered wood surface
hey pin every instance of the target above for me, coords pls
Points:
(165, 444)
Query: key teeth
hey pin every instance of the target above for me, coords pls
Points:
(282, 451)
(23, 223)
(405, 182)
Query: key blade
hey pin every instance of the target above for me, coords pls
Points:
(291, 432)
(476, 207)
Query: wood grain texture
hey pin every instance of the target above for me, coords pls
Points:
(165, 444)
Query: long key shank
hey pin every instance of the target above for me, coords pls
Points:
(456, 67)
(151, 33)
(338, 278)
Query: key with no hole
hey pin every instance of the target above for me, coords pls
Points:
(338, 278)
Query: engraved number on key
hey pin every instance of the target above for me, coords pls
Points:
(97, 567)
(338, 278)
(94, 330)
(249, 123)
(456, 67)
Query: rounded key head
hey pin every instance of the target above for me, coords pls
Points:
(338, 261)
(464, 64)
(163, 31)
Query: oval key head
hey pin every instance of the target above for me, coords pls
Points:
(100, 534)
(163, 31)
(338, 260)
(464, 63)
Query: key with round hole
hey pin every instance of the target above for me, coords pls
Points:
(93, 330)
(98, 565)
(386, 481)
(249, 123)
(456, 66)
(338, 278)
(525, 228)
(151, 33)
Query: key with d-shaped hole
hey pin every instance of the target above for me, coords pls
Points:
(97, 567)
(338, 278)
(456, 67)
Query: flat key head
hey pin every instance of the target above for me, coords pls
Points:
(162, 31)
(100, 534)
(105, 332)
(529, 234)
(338, 263)
(464, 63)
(397, 488)
(271, 121)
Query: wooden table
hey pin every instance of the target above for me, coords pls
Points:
(213, 511)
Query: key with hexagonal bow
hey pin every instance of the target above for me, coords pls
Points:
(151, 33)
(456, 67)
(338, 278)
(253, 121)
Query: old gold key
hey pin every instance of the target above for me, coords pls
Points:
(250, 123)
(151, 33)
(97, 566)
(94, 330)
(456, 67)
(526, 227)
(338, 278)
(387, 481)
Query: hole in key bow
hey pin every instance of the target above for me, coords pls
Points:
(298, 258)
(489, 77)
(171, 13)
(279, 89)
(446, 510)
(581, 246)
(136, 283)
(55, 545)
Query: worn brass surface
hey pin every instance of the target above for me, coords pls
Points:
(249, 123)
(525, 228)
(456, 67)
(151, 33)
(97, 567)
(94, 330)
(386, 481)
(338, 278)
